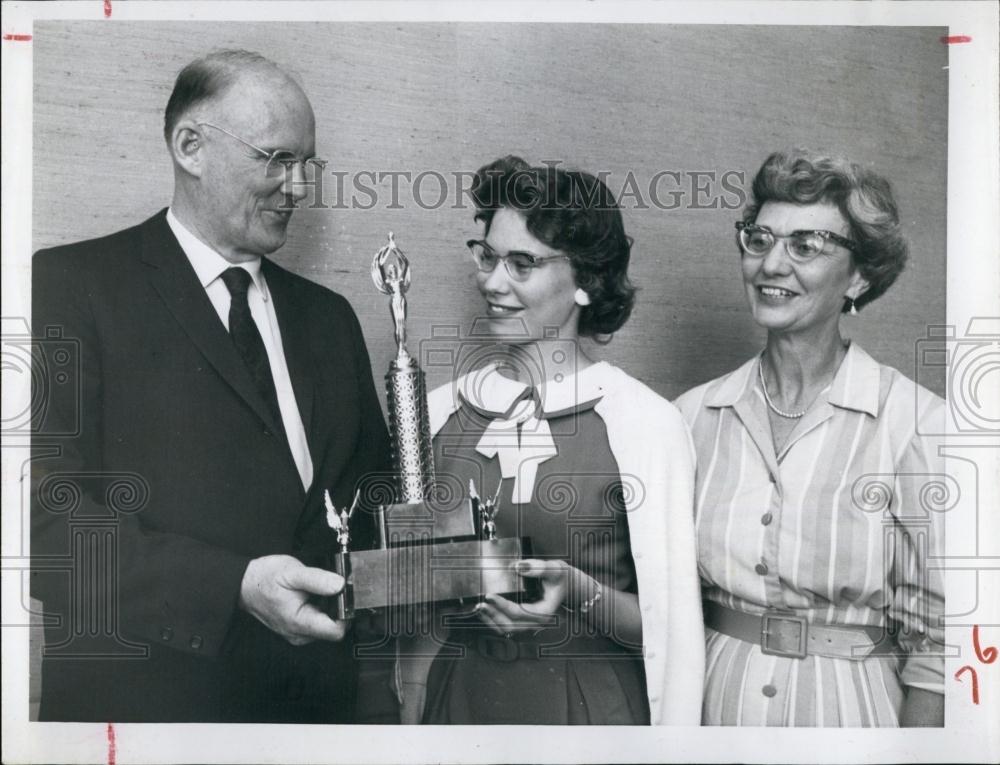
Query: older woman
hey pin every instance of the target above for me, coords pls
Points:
(820, 608)
(616, 636)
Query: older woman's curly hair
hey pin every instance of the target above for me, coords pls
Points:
(575, 213)
(863, 197)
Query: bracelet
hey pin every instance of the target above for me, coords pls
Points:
(590, 603)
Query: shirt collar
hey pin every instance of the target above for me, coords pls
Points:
(734, 386)
(857, 382)
(206, 262)
(487, 390)
(855, 386)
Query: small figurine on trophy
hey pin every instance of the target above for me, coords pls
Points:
(340, 521)
(485, 512)
(391, 275)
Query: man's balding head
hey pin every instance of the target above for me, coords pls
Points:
(211, 77)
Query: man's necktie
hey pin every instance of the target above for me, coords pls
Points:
(246, 337)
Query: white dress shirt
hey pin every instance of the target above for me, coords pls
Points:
(209, 265)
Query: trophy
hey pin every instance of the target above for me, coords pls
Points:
(409, 425)
(424, 554)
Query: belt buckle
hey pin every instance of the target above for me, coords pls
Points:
(769, 617)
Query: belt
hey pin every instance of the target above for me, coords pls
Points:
(785, 633)
(503, 650)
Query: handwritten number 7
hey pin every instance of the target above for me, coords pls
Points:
(975, 681)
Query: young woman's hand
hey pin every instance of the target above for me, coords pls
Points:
(559, 582)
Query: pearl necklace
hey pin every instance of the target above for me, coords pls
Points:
(767, 398)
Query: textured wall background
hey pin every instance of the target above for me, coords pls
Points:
(447, 98)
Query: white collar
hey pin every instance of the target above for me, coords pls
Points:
(855, 385)
(207, 263)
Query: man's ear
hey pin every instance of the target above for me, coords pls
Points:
(186, 144)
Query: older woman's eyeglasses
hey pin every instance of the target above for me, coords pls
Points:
(800, 245)
(519, 265)
(277, 162)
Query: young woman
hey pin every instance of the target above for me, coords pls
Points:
(591, 464)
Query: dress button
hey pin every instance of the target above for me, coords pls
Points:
(195, 642)
(166, 634)
(769, 690)
(760, 568)
(766, 519)
(650, 654)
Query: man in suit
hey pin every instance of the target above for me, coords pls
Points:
(178, 524)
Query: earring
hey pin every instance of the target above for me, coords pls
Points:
(853, 309)
(581, 298)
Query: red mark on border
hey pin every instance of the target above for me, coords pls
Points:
(986, 655)
(112, 749)
(107, 9)
(975, 681)
(17, 38)
(956, 39)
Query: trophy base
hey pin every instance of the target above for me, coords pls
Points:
(453, 571)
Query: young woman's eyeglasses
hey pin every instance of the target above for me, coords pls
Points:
(278, 162)
(518, 264)
(800, 245)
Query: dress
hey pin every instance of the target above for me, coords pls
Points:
(838, 526)
(583, 484)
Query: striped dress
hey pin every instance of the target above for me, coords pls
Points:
(840, 526)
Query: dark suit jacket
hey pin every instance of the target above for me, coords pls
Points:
(158, 473)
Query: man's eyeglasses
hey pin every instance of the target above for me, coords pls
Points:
(800, 245)
(518, 264)
(278, 162)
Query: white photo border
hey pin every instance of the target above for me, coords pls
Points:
(971, 732)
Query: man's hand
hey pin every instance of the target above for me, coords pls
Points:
(276, 590)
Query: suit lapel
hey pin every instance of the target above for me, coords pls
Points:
(297, 326)
(295, 330)
(174, 279)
